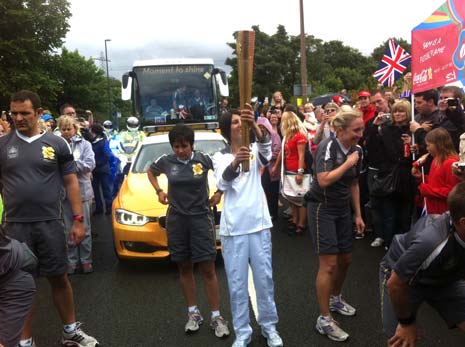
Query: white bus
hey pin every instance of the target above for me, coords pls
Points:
(167, 91)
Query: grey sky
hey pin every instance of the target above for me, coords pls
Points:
(144, 29)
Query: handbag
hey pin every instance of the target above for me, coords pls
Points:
(289, 186)
(386, 185)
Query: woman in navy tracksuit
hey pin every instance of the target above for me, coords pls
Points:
(102, 178)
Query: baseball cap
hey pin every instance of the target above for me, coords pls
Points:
(46, 117)
(364, 93)
(338, 100)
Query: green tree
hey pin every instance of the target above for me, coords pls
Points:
(81, 82)
(30, 31)
(331, 65)
(274, 65)
(85, 86)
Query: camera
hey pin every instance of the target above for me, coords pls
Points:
(461, 166)
(387, 116)
(452, 102)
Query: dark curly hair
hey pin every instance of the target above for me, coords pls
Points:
(181, 133)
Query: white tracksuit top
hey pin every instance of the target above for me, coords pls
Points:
(245, 209)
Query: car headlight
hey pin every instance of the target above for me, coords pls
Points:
(130, 218)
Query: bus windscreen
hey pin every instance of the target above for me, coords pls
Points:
(169, 94)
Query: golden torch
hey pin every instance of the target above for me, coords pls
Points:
(245, 50)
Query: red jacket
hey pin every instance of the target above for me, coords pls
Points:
(368, 113)
(439, 183)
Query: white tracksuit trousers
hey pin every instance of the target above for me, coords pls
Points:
(238, 252)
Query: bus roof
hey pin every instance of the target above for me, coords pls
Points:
(173, 61)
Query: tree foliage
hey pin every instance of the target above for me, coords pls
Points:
(81, 82)
(331, 66)
(30, 31)
(32, 57)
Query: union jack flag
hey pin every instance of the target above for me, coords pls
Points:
(392, 65)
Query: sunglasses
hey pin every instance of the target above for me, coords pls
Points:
(329, 110)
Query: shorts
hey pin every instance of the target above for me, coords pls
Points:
(448, 301)
(48, 242)
(16, 297)
(330, 228)
(191, 237)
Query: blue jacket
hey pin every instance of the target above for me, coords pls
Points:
(103, 155)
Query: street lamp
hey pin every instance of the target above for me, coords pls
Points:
(108, 80)
(303, 55)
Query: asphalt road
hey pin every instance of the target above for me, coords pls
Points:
(141, 305)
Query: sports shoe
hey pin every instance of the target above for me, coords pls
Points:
(378, 242)
(220, 326)
(330, 328)
(242, 343)
(33, 344)
(78, 338)
(273, 339)
(339, 305)
(87, 268)
(194, 321)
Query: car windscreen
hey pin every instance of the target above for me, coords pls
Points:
(150, 152)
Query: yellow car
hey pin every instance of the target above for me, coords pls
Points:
(138, 218)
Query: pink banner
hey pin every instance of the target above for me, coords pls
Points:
(438, 48)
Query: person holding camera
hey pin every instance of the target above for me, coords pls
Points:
(388, 141)
(451, 115)
(325, 131)
(426, 119)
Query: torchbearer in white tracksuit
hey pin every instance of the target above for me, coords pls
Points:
(245, 227)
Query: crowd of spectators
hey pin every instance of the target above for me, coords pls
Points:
(348, 149)
(414, 146)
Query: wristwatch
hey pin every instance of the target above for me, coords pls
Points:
(159, 190)
(407, 321)
(78, 217)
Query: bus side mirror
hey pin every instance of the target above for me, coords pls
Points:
(224, 78)
(126, 86)
(125, 80)
(222, 81)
